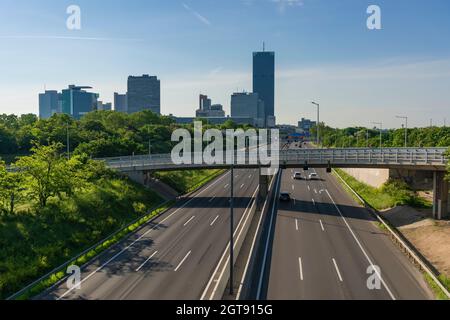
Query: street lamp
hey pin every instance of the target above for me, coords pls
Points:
(318, 121)
(406, 128)
(380, 124)
(68, 142)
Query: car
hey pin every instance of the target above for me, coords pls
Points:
(313, 176)
(297, 176)
(285, 196)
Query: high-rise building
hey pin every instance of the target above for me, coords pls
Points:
(77, 102)
(208, 110)
(120, 102)
(144, 93)
(248, 105)
(101, 106)
(264, 82)
(49, 104)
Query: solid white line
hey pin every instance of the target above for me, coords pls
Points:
(182, 261)
(140, 267)
(301, 268)
(241, 285)
(142, 236)
(261, 276)
(225, 253)
(321, 225)
(337, 270)
(212, 223)
(361, 247)
(189, 221)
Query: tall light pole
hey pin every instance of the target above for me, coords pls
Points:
(149, 147)
(318, 122)
(380, 124)
(406, 128)
(367, 137)
(68, 142)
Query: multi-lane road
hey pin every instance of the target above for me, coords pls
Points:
(327, 247)
(175, 256)
(322, 246)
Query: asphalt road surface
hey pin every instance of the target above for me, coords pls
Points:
(327, 247)
(172, 258)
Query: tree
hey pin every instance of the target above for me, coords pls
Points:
(10, 188)
(42, 169)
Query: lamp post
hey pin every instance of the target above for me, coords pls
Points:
(318, 122)
(68, 142)
(406, 128)
(232, 231)
(380, 124)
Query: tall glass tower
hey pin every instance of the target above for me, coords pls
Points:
(264, 81)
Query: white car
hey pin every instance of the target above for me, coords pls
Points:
(297, 176)
(313, 176)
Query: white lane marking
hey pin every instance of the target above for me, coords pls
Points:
(242, 185)
(321, 225)
(361, 247)
(142, 236)
(212, 199)
(140, 267)
(250, 176)
(309, 189)
(236, 235)
(293, 187)
(182, 261)
(261, 275)
(214, 221)
(296, 224)
(314, 202)
(189, 221)
(315, 191)
(236, 176)
(226, 186)
(241, 285)
(301, 268)
(337, 270)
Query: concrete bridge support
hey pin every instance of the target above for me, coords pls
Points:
(440, 195)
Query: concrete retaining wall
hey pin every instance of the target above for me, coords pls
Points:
(372, 177)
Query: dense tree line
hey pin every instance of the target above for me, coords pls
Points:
(364, 137)
(97, 134)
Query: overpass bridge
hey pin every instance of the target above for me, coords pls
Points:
(429, 159)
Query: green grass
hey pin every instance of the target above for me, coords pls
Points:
(185, 181)
(35, 241)
(391, 194)
(440, 295)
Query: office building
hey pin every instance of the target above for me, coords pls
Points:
(120, 102)
(249, 106)
(305, 125)
(49, 104)
(101, 106)
(264, 83)
(208, 110)
(144, 93)
(77, 102)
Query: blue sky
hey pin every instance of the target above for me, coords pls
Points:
(324, 52)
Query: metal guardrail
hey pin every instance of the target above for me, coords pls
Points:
(432, 157)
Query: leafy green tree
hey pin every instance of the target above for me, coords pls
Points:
(10, 188)
(43, 171)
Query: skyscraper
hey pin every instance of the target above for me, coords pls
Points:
(248, 105)
(48, 104)
(77, 102)
(264, 81)
(120, 102)
(144, 93)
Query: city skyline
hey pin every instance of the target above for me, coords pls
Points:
(357, 75)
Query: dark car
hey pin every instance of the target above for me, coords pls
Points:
(285, 196)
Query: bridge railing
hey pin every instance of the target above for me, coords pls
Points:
(388, 156)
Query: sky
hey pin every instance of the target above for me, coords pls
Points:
(324, 52)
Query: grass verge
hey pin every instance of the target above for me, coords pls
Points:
(185, 181)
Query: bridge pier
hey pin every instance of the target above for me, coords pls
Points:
(263, 190)
(440, 195)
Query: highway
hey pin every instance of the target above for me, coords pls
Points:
(324, 243)
(173, 257)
